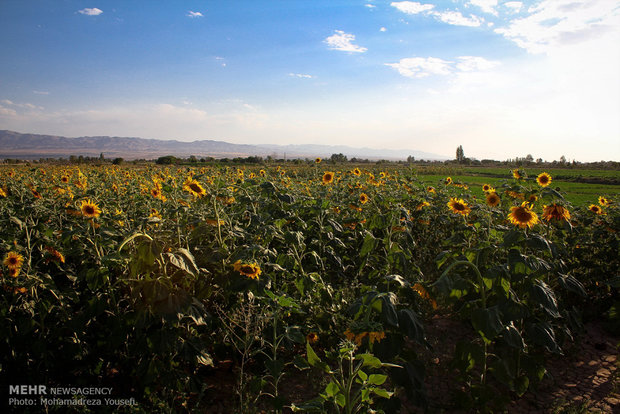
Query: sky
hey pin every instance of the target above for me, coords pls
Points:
(504, 79)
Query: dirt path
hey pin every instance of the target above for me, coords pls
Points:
(583, 381)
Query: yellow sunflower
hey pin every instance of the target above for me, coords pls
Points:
(595, 209)
(357, 172)
(555, 212)
(422, 205)
(13, 260)
(603, 201)
(459, 206)
(328, 177)
(448, 180)
(2, 192)
(194, 188)
(430, 189)
(251, 270)
(543, 179)
(492, 199)
(487, 187)
(522, 216)
(363, 198)
(517, 174)
(90, 209)
(64, 179)
(317, 160)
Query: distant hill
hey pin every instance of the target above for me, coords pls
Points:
(35, 146)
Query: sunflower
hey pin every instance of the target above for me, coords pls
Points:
(517, 174)
(56, 255)
(312, 337)
(532, 198)
(459, 206)
(522, 216)
(317, 160)
(262, 173)
(64, 179)
(603, 201)
(595, 209)
(357, 172)
(430, 189)
(194, 188)
(448, 180)
(155, 213)
(555, 212)
(328, 177)
(363, 198)
(375, 336)
(493, 199)
(251, 270)
(422, 205)
(35, 193)
(90, 209)
(14, 272)
(13, 260)
(2, 192)
(543, 179)
(487, 187)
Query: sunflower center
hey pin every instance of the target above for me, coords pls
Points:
(195, 187)
(523, 215)
(89, 210)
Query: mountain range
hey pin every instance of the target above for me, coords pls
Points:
(35, 146)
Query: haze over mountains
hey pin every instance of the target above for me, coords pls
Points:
(35, 146)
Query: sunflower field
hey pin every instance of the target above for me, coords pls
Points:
(296, 288)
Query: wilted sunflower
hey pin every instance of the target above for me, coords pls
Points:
(13, 260)
(555, 212)
(312, 337)
(603, 201)
(363, 198)
(459, 206)
(90, 209)
(194, 188)
(328, 177)
(595, 209)
(522, 216)
(251, 270)
(493, 199)
(543, 179)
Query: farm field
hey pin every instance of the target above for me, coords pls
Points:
(299, 287)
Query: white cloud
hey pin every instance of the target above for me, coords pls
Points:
(557, 23)
(300, 75)
(457, 19)
(194, 14)
(91, 12)
(418, 67)
(475, 63)
(344, 42)
(27, 106)
(487, 6)
(421, 67)
(370, 6)
(383, 29)
(514, 6)
(7, 112)
(412, 7)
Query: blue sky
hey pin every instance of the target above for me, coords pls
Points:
(502, 78)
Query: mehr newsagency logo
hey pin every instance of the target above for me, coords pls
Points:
(43, 395)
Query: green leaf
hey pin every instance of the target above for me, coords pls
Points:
(369, 360)
(513, 337)
(542, 334)
(367, 245)
(341, 400)
(362, 375)
(381, 392)
(521, 384)
(487, 322)
(410, 325)
(313, 359)
(274, 367)
(571, 284)
(542, 295)
(332, 389)
(377, 379)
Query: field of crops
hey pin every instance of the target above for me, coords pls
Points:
(165, 283)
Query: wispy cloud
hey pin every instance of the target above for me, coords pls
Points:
(457, 19)
(554, 23)
(487, 6)
(419, 67)
(91, 12)
(344, 42)
(513, 6)
(412, 7)
(447, 16)
(300, 75)
(370, 6)
(41, 92)
(194, 14)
